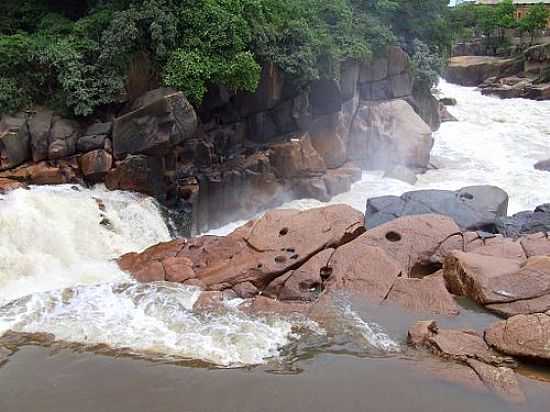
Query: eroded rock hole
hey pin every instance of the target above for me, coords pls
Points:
(283, 231)
(421, 270)
(326, 272)
(280, 259)
(467, 196)
(393, 236)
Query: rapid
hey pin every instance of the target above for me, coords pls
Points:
(58, 247)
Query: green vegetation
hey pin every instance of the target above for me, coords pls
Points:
(534, 21)
(76, 55)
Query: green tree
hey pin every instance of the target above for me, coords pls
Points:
(534, 21)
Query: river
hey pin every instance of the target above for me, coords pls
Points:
(57, 275)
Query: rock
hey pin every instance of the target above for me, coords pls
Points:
(94, 137)
(401, 85)
(388, 133)
(258, 252)
(163, 119)
(338, 181)
(473, 70)
(303, 284)
(178, 269)
(428, 295)
(525, 222)
(543, 165)
(458, 345)
(521, 307)
(525, 336)
(537, 244)
(402, 173)
(539, 91)
(7, 185)
(349, 77)
(325, 97)
(363, 270)
(472, 208)
(39, 127)
(426, 106)
(311, 188)
(137, 173)
(96, 164)
(63, 137)
(501, 380)
(448, 101)
(14, 142)
(44, 173)
(5, 353)
(398, 61)
(414, 241)
(445, 116)
(246, 290)
(329, 137)
(152, 272)
(296, 158)
(374, 71)
(487, 279)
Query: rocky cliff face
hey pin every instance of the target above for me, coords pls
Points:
(237, 154)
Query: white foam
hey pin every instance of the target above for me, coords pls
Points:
(149, 318)
(51, 237)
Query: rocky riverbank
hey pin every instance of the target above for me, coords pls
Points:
(290, 261)
(236, 154)
(525, 75)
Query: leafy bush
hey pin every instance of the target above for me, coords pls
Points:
(11, 97)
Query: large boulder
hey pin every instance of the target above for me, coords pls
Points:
(388, 133)
(296, 158)
(474, 70)
(45, 173)
(39, 127)
(525, 222)
(329, 136)
(63, 137)
(7, 185)
(492, 280)
(159, 120)
(414, 241)
(94, 137)
(492, 370)
(96, 164)
(472, 208)
(14, 142)
(525, 336)
(137, 173)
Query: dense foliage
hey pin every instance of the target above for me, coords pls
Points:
(76, 55)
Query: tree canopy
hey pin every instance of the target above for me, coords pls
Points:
(75, 55)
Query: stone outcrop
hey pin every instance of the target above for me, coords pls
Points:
(526, 222)
(474, 70)
(14, 142)
(472, 208)
(469, 348)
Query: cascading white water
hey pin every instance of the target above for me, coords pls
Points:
(56, 257)
(57, 275)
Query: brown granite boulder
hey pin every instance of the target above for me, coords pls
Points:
(136, 173)
(414, 241)
(526, 336)
(329, 136)
(428, 295)
(45, 173)
(468, 348)
(96, 164)
(7, 185)
(296, 158)
(473, 70)
(537, 244)
(488, 279)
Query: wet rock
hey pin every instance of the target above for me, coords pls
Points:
(389, 133)
(526, 336)
(304, 283)
(488, 279)
(151, 272)
(501, 380)
(296, 158)
(14, 142)
(94, 137)
(325, 97)
(473, 70)
(178, 269)
(137, 173)
(245, 290)
(543, 165)
(311, 188)
(363, 270)
(338, 181)
(329, 134)
(472, 208)
(39, 127)
(96, 164)
(428, 295)
(402, 173)
(414, 241)
(7, 185)
(448, 101)
(349, 77)
(445, 116)
(426, 105)
(160, 119)
(525, 222)
(521, 307)
(44, 173)
(63, 137)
